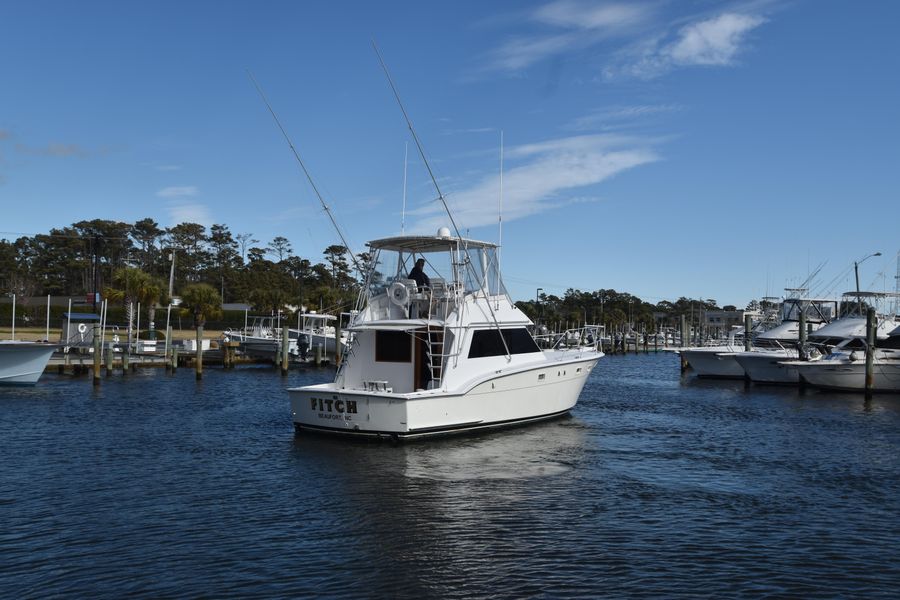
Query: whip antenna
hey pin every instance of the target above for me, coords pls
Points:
(306, 172)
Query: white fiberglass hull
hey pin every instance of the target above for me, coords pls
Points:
(851, 375)
(768, 366)
(535, 393)
(22, 363)
(714, 361)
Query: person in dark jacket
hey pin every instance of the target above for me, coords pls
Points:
(418, 275)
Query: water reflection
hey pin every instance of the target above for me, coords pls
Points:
(539, 450)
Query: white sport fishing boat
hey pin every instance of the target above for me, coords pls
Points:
(775, 365)
(455, 355)
(720, 361)
(22, 363)
(845, 369)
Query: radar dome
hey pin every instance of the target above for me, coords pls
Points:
(443, 232)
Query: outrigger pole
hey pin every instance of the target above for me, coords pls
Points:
(308, 176)
(440, 194)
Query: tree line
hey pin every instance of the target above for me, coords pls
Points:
(134, 262)
(615, 310)
(115, 258)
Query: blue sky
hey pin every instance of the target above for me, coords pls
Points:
(709, 149)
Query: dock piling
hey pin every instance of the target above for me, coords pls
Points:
(871, 324)
(285, 349)
(110, 357)
(96, 342)
(337, 341)
(748, 326)
(198, 361)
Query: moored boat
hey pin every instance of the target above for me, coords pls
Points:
(21, 363)
(846, 369)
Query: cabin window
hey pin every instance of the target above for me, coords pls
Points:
(393, 346)
(487, 342)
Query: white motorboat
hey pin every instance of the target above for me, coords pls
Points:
(845, 369)
(714, 361)
(262, 338)
(776, 365)
(720, 362)
(21, 363)
(454, 356)
(318, 330)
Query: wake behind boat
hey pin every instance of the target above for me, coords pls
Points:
(452, 354)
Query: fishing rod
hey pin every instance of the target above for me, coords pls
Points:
(308, 176)
(443, 199)
(409, 124)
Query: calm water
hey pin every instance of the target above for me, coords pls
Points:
(158, 486)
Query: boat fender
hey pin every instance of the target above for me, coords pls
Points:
(82, 328)
(399, 294)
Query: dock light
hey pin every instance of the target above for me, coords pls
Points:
(856, 271)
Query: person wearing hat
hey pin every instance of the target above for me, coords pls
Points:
(418, 275)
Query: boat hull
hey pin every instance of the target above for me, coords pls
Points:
(533, 394)
(22, 363)
(851, 376)
(715, 362)
(769, 366)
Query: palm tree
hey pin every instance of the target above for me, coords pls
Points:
(201, 301)
(132, 285)
(135, 286)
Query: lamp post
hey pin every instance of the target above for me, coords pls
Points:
(856, 272)
(537, 301)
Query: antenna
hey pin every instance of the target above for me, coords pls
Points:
(403, 214)
(500, 210)
(308, 176)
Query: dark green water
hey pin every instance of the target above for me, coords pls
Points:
(156, 485)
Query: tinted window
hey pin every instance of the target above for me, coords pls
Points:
(487, 342)
(393, 346)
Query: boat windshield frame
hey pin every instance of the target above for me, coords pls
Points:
(467, 267)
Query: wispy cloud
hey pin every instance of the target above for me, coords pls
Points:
(711, 42)
(573, 25)
(177, 191)
(545, 173)
(615, 116)
(189, 213)
(167, 167)
(634, 39)
(714, 41)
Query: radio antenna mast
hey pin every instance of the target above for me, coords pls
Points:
(309, 178)
(500, 210)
